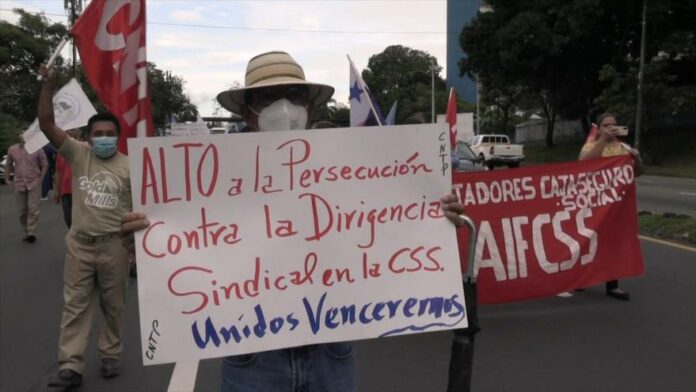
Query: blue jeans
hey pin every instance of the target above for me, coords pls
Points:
(316, 368)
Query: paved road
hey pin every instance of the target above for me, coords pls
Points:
(585, 343)
(667, 194)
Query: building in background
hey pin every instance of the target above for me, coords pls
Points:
(460, 13)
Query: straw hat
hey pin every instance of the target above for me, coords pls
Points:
(273, 69)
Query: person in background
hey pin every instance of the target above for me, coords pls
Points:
(28, 170)
(96, 263)
(47, 182)
(62, 182)
(607, 144)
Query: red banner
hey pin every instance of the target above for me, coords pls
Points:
(553, 228)
(110, 36)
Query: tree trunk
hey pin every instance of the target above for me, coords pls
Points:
(506, 119)
(550, 121)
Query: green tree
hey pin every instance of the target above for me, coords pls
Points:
(23, 47)
(557, 51)
(339, 114)
(669, 81)
(551, 50)
(500, 100)
(9, 131)
(403, 74)
(168, 97)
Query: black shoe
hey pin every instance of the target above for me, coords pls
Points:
(619, 294)
(110, 367)
(31, 238)
(66, 379)
(25, 238)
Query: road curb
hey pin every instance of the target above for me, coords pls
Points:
(668, 243)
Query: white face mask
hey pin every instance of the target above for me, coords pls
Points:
(282, 115)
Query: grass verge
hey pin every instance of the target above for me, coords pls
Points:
(676, 169)
(670, 227)
(538, 154)
(683, 165)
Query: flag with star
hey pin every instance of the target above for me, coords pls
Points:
(364, 110)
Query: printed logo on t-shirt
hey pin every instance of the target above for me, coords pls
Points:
(101, 190)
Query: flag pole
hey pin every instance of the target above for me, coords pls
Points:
(141, 128)
(367, 92)
(432, 90)
(477, 131)
(55, 54)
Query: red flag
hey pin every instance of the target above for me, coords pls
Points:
(451, 117)
(110, 35)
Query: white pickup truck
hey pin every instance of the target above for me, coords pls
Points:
(496, 150)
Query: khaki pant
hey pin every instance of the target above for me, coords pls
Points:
(94, 267)
(28, 203)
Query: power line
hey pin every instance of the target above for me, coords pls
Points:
(294, 30)
(270, 29)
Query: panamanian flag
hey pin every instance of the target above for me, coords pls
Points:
(364, 110)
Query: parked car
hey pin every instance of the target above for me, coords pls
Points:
(2, 169)
(468, 161)
(496, 150)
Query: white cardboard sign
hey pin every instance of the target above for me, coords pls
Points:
(260, 241)
(190, 129)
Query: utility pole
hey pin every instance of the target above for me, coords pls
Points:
(74, 49)
(478, 105)
(73, 8)
(639, 104)
(432, 90)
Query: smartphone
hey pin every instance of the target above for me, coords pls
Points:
(622, 131)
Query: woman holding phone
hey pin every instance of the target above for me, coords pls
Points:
(607, 145)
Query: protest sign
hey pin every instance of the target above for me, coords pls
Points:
(261, 241)
(189, 129)
(71, 108)
(553, 228)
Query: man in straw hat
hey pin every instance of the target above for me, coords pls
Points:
(276, 97)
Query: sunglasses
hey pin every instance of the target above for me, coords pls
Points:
(260, 98)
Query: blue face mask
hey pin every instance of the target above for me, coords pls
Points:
(104, 146)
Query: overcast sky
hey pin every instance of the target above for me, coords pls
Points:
(211, 58)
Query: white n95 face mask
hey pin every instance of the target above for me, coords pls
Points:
(282, 115)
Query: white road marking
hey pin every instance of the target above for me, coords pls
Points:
(687, 193)
(183, 377)
(667, 243)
